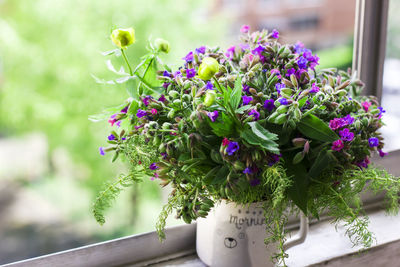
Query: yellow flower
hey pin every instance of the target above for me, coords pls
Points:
(208, 68)
(123, 37)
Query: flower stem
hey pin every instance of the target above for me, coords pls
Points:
(218, 85)
(127, 62)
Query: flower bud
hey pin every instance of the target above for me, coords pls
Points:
(210, 98)
(208, 68)
(123, 37)
(162, 45)
(238, 165)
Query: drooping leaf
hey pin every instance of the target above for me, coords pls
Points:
(323, 160)
(313, 127)
(261, 132)
(298, 190)
(250, 137)
(236, 94)
(132, 87)
(242, 109)
(223, 126)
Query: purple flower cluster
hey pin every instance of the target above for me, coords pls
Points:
(246, 99)
(373, 142)
(190, 73)
(269, 104)
(213, 115)
(189, 57)
(255, 114)
(337, 145)
(310, 59)
(141, 113)
(232, 148)
(209, 86)
(346, 135)
(200, 50)
(338, 123)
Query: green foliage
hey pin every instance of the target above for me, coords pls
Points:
(315, 128)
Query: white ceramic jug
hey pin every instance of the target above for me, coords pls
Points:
(233, 236)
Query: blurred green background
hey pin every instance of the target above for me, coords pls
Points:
(48, 51)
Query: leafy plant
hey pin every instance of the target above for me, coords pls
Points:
(253, 123)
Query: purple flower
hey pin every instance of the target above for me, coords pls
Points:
(274, 158)
(258, 50)
(162, 98)
(346, 135)
(381, 153)
(290, 72)
(244, 46)
(123, 138)
(141, 113)
(314, 88)
(213, 115)
(279, 86)
(232, 148)
(155, 176)
(255, 114)
(164, 155)
(269, 104)
(373, 142)
(165, 85)
(283, 101)
(381, 111)
(255, 182)
(111, 137)
(246, 88)
(153, 166)
(337, 123)
(364, 163)
(275, 34)
(166, 74)
(337, 145)
(299, 47)
(146, 100)
(246, 99)
(101, 150)
(209, 86)
(118, 123)
(302, 62)
(245, 29)
(230, 51)
(125, 109)
(349, 119)
(200, 50)
(190, 73)
(177, 74)
(189, 57)
(366, 105)
(248, 170)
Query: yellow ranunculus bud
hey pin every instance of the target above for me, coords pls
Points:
(208, 68)
(123, 37)
(162, 45)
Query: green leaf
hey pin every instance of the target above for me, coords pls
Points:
(221, 175)
(106, 113)
(298, 191)
(146, 73)
(242, 109)
(211, 175)
(302, 102)
(323, 160)
(261, 132)
(132, 89)
(312, 127)
(223, 126)
(298, 157)
(236, 94)
(250, 137)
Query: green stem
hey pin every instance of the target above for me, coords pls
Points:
(127, 62)
(218, 85)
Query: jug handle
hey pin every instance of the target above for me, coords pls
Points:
(300, 235)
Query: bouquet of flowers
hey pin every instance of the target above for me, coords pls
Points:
(255, 122)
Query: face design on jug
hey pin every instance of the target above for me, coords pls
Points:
(230, 242)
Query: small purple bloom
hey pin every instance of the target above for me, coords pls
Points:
(349, 119)
(373, 142)
(381, 153)
(269, 104)
(274, 158)
(190, 73)
(189, 57)
(245, 29)
(258, 50)
(302, 62)
(337, 145)
(165, 85)
(153, 166)
(164, 155)
(283, 101)
(246, 88)
(337, 123)
(209, 86)
(381, 111)
(246, 99)
(299, 47)
(247, 170)
(177, 74)
(230, 52)
(213, 115)
(364, 163)
(255, 182)
(162, 98)
(279, 86)
(200, 50)
(346, 135)
(255, 114)
(314, 88)
(290, 72)
(146, 100)
(275, 34)
(125, 109)
(101, 150)
(232, 148)
(123, 138)
(118, 123)
(141, 113)
(111, 137)
(166, 74)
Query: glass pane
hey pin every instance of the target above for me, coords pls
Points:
(391, 80)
